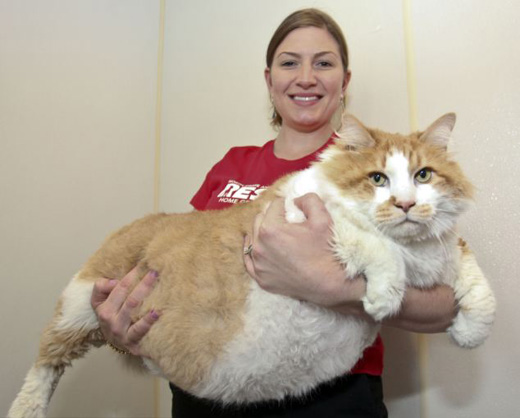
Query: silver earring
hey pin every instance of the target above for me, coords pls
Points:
(342, 103)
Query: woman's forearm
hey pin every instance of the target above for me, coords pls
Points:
(425, 310)
(422, 310)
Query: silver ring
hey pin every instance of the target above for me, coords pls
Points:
(248, 250)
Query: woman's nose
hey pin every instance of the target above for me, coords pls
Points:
(306, 76)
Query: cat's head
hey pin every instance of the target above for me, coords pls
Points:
(408, 185)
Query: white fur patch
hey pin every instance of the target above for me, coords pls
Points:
(306, 181)
(76, 309)
(33, 399)
(397, 169)
(76, 314)
(311, 180)
(402, 183)
(382, 194)
(303, 343)
(426, 193)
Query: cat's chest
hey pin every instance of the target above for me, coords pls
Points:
(429, 263)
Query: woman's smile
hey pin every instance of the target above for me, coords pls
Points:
(305, 99)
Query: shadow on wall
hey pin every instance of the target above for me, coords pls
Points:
(402, 370)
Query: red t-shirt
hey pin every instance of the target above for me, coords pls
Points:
(242, 175)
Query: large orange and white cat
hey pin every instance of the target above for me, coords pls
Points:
(394, 201)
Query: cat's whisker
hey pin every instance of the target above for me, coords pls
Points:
(444, 246)
(450, 211)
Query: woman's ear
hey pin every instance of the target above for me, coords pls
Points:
(267, 76)
(346, 81)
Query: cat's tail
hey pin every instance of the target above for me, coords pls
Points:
(71, 333)
(477, 304)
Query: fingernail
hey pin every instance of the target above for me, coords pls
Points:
(155, 315)
(154, 274)
(112, 282)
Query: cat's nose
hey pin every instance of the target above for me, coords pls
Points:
(404, 205)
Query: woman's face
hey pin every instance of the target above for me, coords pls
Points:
(306, 79)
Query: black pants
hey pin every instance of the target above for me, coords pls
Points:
(353, 396)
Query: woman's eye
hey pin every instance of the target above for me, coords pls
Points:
(324, 64)
(378, 179)
(424, 175)
(288, 63)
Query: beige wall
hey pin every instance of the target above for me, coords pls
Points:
(77, 106)
(78, 91)
(467, 61)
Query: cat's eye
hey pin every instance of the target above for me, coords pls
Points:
(424, 175)
(378, 179)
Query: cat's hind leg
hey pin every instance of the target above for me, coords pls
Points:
(72, 331)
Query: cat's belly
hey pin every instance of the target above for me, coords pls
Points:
(286, 347)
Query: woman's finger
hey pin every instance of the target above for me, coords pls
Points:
(313, 207)
(119, 294)
(138, 330)
(274, 213)
(137, 295)
(102, 289)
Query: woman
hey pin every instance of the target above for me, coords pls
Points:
(307, 75)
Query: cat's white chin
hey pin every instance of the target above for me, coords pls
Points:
(406, 229)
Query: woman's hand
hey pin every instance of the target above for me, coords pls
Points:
(296, 259)
(113, 303)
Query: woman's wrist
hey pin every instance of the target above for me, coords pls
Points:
(351, 293)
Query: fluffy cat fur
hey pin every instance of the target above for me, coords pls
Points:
(394, 200)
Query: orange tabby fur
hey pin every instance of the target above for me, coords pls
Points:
(204, 294)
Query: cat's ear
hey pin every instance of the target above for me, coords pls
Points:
(439, 132)
(353, 135)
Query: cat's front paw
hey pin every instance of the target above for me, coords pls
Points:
(385, 287)
(384, 291)
(472, 326)
(477, 304)
(384, 302)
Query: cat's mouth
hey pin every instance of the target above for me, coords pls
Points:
(407, 220)
(404, 228)
(411, 224)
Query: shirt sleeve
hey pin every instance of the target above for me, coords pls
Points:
(200, 200)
